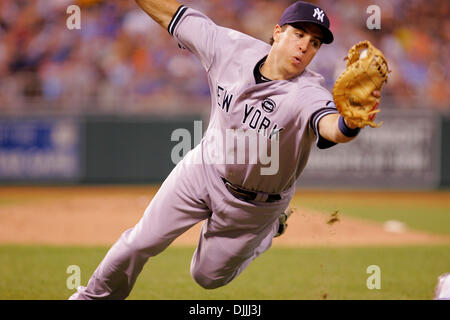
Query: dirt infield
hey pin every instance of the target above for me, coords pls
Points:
(98, 215)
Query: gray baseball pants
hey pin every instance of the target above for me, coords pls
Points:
(233, 234)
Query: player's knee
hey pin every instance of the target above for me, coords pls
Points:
(207, 282)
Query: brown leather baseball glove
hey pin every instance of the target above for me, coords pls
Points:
(366, 72)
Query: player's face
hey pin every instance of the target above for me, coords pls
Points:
(296, 47)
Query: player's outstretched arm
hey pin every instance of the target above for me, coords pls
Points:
(329, 126)
(329, 129)
(160, 11)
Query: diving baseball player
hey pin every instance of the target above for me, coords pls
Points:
(256, 88)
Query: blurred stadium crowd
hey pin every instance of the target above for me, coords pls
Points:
(121, 61)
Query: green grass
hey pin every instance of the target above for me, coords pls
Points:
(416, 210)
(30, 272)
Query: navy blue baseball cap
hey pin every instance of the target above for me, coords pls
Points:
(302, 11)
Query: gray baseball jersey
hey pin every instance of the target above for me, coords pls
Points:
(234, 231)
(281, 108)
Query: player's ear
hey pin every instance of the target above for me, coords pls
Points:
(276, 33)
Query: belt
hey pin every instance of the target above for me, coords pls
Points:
(247, 195)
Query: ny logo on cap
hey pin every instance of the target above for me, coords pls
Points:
(319, 13)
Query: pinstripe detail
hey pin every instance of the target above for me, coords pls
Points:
(176, 18)
(319, 115)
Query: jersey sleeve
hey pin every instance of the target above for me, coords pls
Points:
(317, 103)
(321, 142)
(196, 32)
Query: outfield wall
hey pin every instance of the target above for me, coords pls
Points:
(445, 151)
(406, 152)
(410, 151)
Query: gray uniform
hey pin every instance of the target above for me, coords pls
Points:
(234, 231)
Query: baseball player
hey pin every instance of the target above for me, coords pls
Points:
(255, 87)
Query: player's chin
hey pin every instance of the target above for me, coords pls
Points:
(296, 70)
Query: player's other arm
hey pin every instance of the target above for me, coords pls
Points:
(160, 11)
(330, 129)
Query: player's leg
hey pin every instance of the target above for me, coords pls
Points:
(214, 265)
(235, 234)
(176, 207)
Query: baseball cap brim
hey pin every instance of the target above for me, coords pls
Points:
(327, 35)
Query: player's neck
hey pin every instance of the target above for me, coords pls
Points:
(268, 70)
